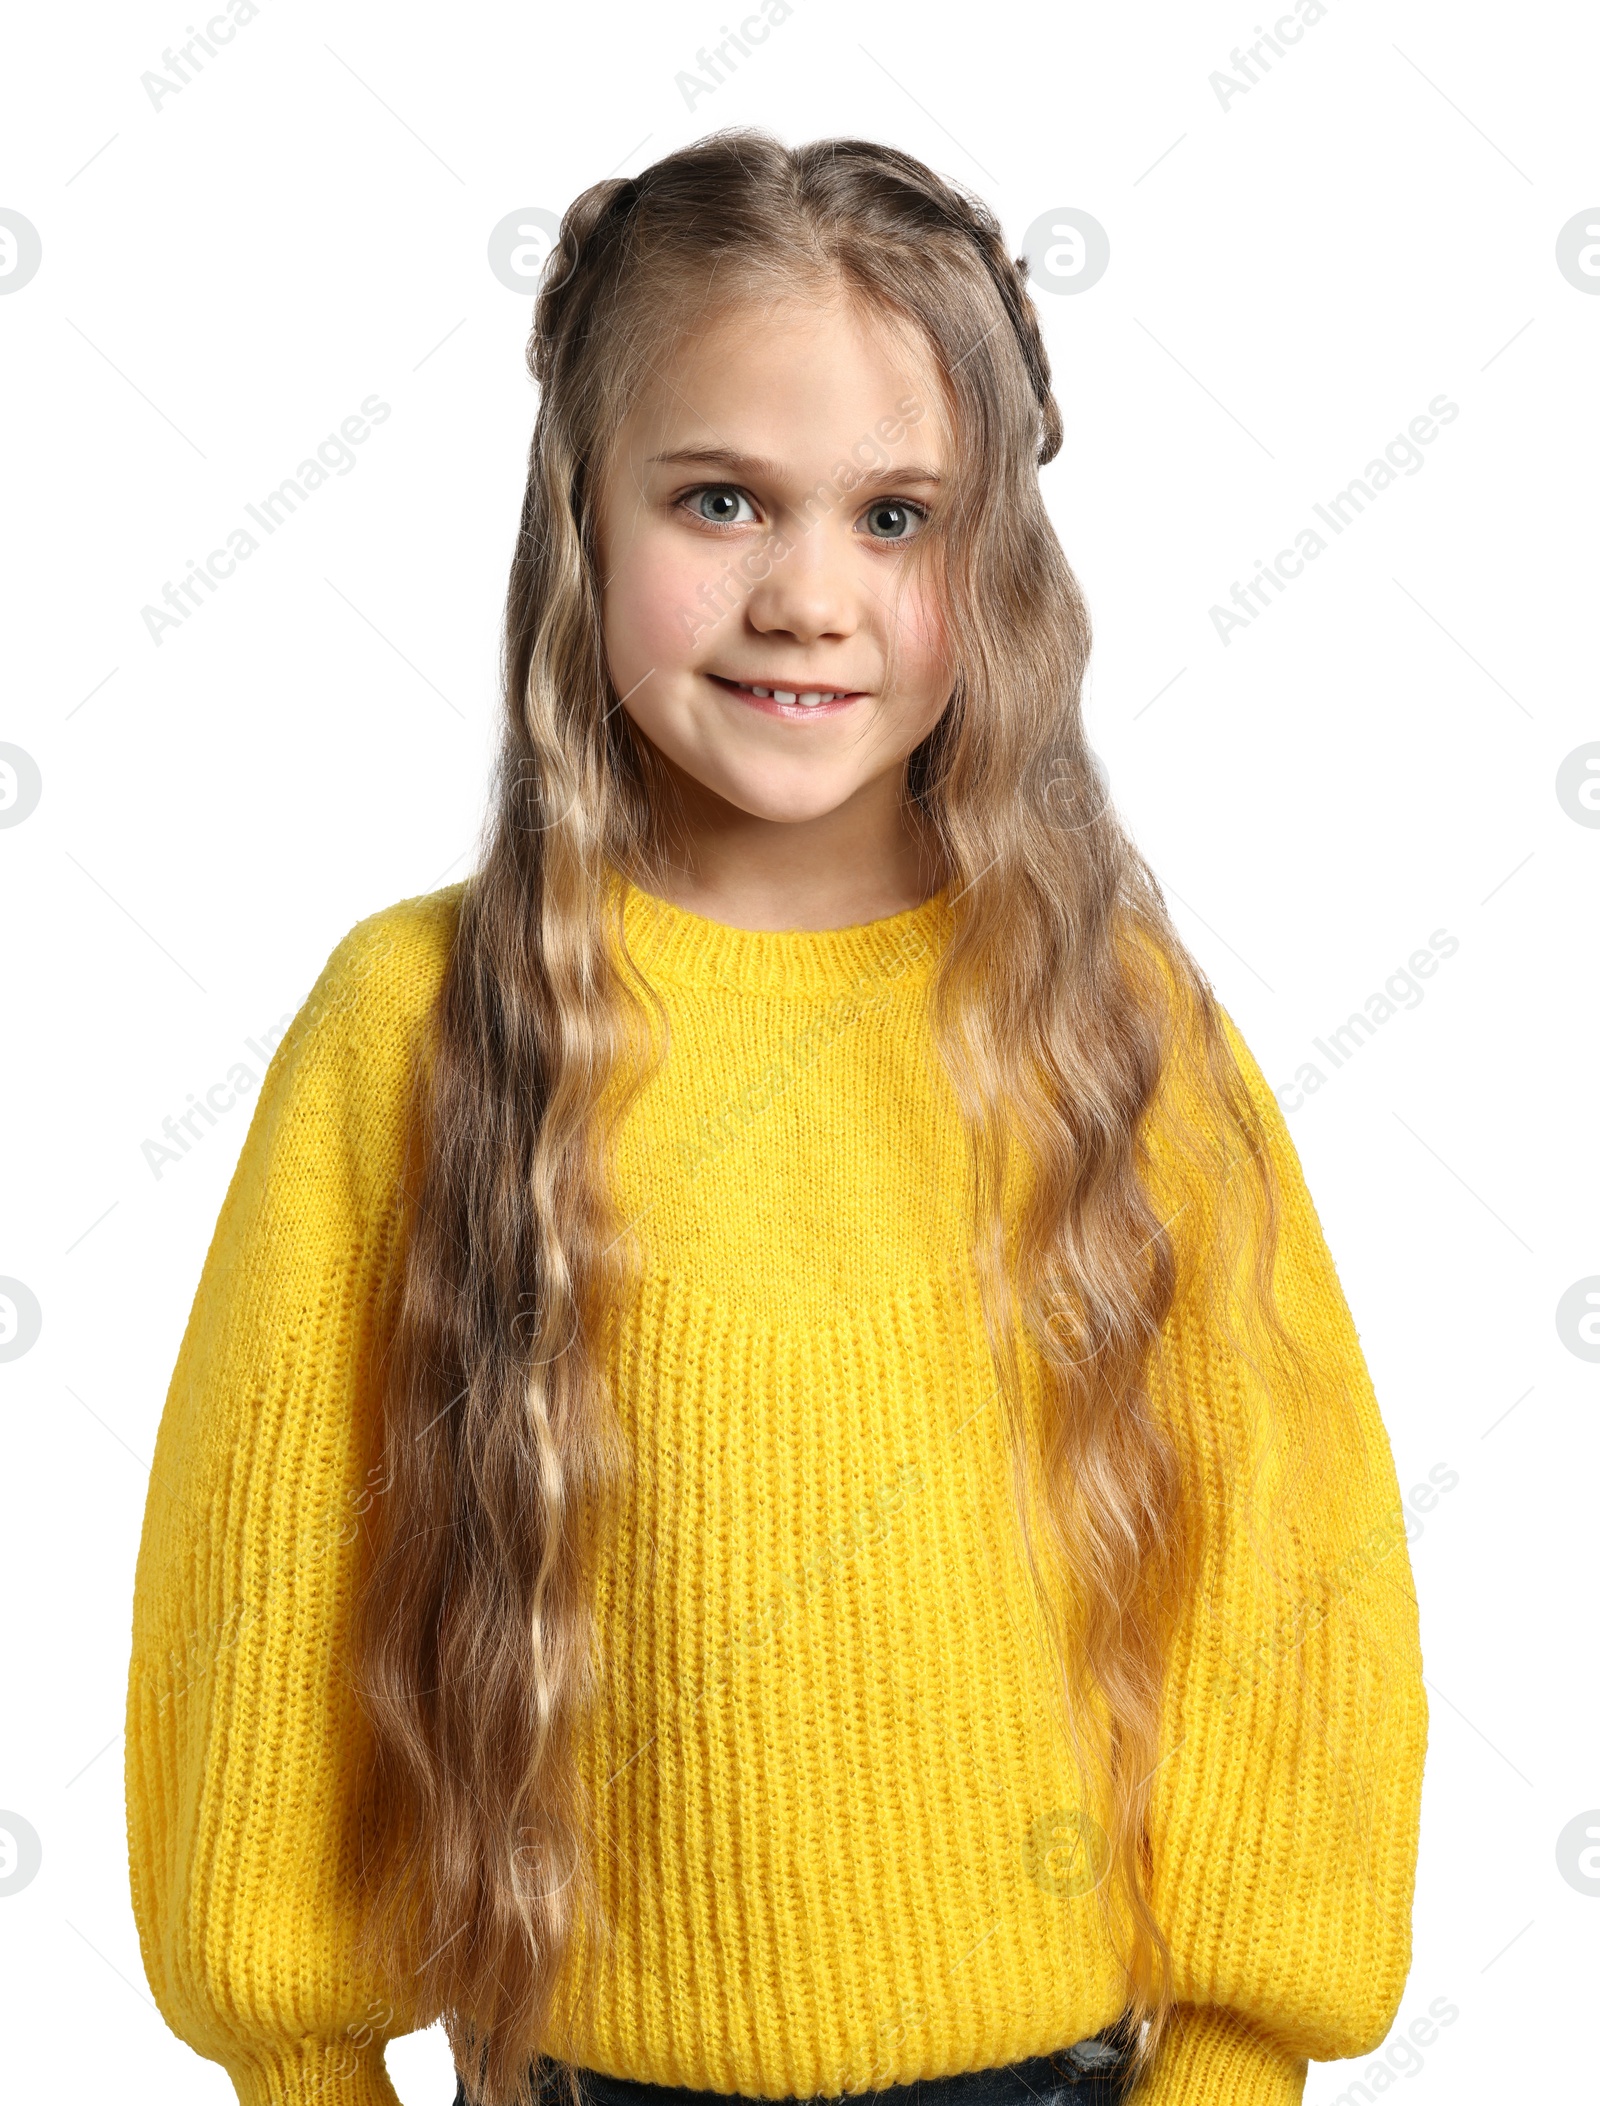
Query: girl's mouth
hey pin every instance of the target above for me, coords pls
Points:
(792, 702)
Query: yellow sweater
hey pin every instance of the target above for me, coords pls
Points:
(839, 1832)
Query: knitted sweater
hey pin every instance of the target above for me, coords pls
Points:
(840, 1839)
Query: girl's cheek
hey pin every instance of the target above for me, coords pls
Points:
(665, 600)
(923, 631)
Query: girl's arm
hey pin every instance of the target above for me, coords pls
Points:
(244, 1741)
(1287, 1803)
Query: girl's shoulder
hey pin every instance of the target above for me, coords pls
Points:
(320, 1169)
(343, 1075)
(382, 977)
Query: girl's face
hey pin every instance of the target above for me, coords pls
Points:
(754, 527)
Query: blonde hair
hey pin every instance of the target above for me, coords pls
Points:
(1070, 1017)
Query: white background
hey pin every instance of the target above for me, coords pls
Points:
(1292, 279)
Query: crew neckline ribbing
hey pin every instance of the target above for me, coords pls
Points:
(671, 943)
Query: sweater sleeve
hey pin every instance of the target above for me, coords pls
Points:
(1286, 1810)
(245, 1745)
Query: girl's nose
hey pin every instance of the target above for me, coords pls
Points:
(809, 593)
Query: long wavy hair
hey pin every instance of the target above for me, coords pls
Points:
(1072, 1021)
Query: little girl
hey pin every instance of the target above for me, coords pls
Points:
(770, 1490)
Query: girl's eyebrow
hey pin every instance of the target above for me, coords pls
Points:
(755, 465)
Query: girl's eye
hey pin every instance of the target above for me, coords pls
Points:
(720, 502)
(890, 520)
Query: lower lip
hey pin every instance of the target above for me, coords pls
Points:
(794, 711)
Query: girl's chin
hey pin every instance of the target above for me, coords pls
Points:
(790, 798)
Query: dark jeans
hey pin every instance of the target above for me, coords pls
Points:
(1091, 2073)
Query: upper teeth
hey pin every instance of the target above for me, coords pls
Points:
(782, 694)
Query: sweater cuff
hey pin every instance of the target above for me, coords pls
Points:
(1214, 2057)
(315, 2073)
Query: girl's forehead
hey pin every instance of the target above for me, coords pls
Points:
(831, 317)
(774, 361)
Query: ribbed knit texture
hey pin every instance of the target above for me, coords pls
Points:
(840, 1838)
